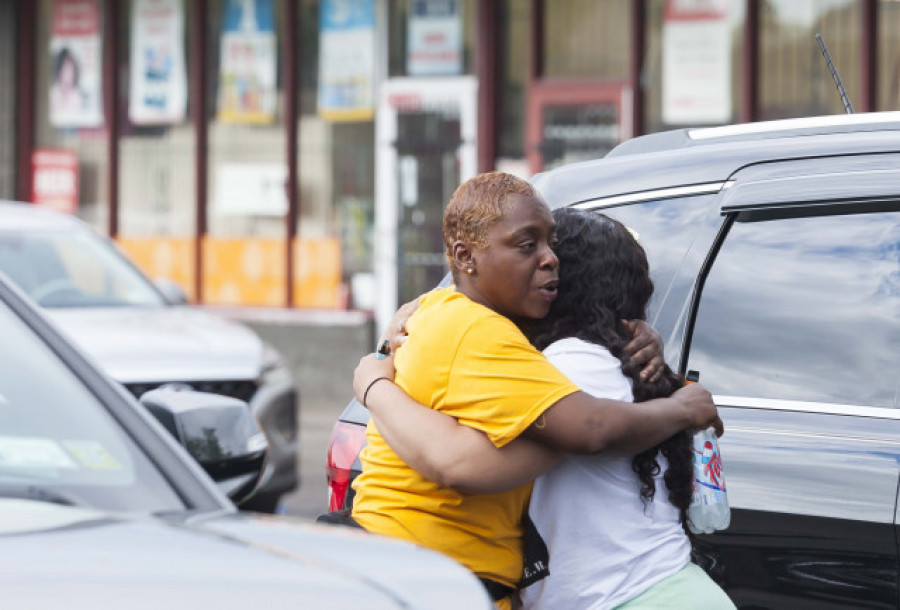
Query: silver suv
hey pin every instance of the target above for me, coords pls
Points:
(144, 337)
(775, 254)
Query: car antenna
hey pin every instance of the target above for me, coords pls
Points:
(837, 79)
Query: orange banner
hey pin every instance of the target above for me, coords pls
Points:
(168, 257)
(247, 271)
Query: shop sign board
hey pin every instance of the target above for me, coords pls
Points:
(76, 88)
(54, 179)
(158, 91)
(247, 88)
(434, 38)
(347, 60)
(696, 55)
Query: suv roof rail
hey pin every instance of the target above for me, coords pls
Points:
(807, 126)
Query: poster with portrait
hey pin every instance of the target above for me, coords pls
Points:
(247, 68)
(158, 88)
(347, 60)
(76, 93)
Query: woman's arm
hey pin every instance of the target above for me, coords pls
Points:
(440, 448)
(577, 423)
(581, 423)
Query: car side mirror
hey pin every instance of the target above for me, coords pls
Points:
(217, 431)
(172, 291)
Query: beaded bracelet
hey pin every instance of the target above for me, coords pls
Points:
(369, 387)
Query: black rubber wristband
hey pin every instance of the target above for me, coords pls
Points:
(369, 387)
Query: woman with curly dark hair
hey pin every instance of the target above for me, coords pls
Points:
(631, 546)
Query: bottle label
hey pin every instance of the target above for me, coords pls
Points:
(708, 473)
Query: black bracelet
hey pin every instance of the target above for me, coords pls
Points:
(369, 387)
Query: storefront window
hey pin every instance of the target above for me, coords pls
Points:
(793, 78)
(587, 39)
(431, 37)
(512, 77)
(574, 108)
(157, 150)
(7, 101)
(333, 249)
(692, 66)
(245, 249)
(888, 55)
(69, 98)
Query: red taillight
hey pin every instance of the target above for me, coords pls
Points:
(347, 440)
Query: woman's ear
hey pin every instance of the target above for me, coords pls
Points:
(462, 257)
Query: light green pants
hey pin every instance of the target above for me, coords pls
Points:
(688, 589)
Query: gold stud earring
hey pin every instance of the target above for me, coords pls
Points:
(470, 271)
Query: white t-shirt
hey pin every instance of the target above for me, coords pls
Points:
(605, 547)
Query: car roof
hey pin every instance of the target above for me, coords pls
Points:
(17, 215)
(709, 156)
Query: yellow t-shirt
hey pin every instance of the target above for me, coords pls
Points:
(469, 362)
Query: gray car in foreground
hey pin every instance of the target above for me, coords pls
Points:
(144, 337)
(101, 508)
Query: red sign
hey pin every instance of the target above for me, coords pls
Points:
(696, 10)
(54, 179)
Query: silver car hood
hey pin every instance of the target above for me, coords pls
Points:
(145, 344)
(64, 557)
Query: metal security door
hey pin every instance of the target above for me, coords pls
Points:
(428, 172)
(426, 148)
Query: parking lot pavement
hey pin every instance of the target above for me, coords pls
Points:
(311, 498)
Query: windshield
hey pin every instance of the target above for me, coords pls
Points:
(73, 269)
(58, 443)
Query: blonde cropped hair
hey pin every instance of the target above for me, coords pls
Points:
(477, 205)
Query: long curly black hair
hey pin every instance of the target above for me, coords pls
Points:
(604, 279)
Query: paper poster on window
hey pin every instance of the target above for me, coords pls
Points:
(251, 189)
(247, 87)
(434, 38)
(696, 56)
(158, 92)
(76, 94)
(347, 60)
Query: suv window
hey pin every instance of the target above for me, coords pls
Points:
(668, 229)
(804, 309)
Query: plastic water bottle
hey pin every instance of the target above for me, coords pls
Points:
(709, 510)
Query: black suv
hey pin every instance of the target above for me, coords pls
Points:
(775, 251)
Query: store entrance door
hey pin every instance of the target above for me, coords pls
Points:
(426, 147)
